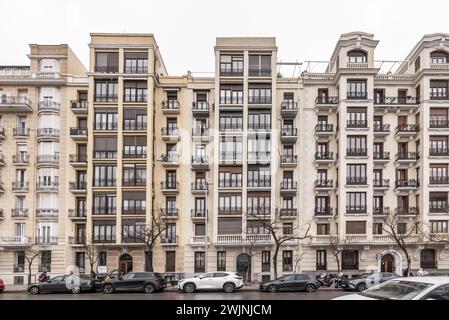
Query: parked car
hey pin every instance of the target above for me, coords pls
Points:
(292, 282)
(65, 283)
(148, 282)
(411, 288)
(2, 286)
(227, 281)
(367, 280)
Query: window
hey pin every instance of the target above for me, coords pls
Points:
(439, 226)
(19, 261)
(105, 175)
(266, 261)
(104, 231)
(231, 65)
(231, 148)
(134, 202)
(135, 91)
(106, 90)
(259, 177)
(229, 179)
(323, 229)
(439, 118)
(230, 204)
(231, 121)
(322, 205)
(356, 89)
(170, 233)
(136, 62)
(221, 261)
(356, 174)
(105, 147)
(134, 174)
(401, 228)
(45, 263)
(259, 120)
(200, 259)
(438, 202)
(439, 57)
(438, 146)
(287, 260)
(80, 260)
(428, 259)
(417, 64)
(134, 146)
(170, 261)
(259, 148)
(321, 260)
(357, 56)
(133, 230)
(106, 62)
(134, 119)
(258, 204)
(259, 65)
(229, 225)
(356, 117)
(105, 203)
(231, 94)
(349, 260)
(106, 119)
(356, 146)
(259, 93)
(355, 227)
(287, 228)
(438, 89)
(356, 202)
(199, 229)
(438, 173)
(377, 228)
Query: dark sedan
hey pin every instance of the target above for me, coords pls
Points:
(66, 283)
(293, 282)
(148, 282)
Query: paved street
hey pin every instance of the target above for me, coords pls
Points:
(173, 295)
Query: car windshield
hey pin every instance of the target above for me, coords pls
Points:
(128, 276)
(396, 290)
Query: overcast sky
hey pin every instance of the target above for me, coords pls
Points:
(186, 30)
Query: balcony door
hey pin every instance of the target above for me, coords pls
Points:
(171, 179)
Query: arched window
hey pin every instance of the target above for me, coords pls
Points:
(428, 259)
(439, 57)
(357, 56)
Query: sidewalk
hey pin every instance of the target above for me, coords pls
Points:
(15, 288)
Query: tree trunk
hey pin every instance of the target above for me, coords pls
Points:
(29, 273)
(275, 261)
(338, 263)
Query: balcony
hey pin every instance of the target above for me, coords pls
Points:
(134, 182)
(78, 187)
(200, 108)
(15, 104)
(231, 158)
(135, 98)
(170, 134)
(104, 210)
(48, 106)
(106, 98)
(356, 124)
(199, 187)
(389, 102)
(356, 238)
(46, 241)
(438, 206)
(47, 160)
(105, 155)
(21, 159)
(132, 210)
(78, 160)
(381, 211)
(381, 184)
(409, 211)
(21, 132)
(356, 152)
(259, 238)
(170, 160)
(258, 212)
(407, 184)
(79, 106)
(103, 183)
(170, 107)
(135, 152)
(324, 157)
(47, 214)
(15, 241)
(289, 160)
(106, 126)
(20, 186)
(439, 180)
(229, 239)
(198, 240)
(289, 109)
(19, 213)
(229, 211)
(47, 186)
(324, 130)
(133, 125)
(381, 129)
(407, 131)
(77, 240)
(381, 157)
(78, 133)
(438, 94)
(437, 123)
(47, 134)
(357, 95)
(261, 184)
(169, 187)
(439, 152)
(407, 157)
(355, 209)
(326, 103)
(289, 188)
(231, 127)
(200, 162)
(47, 75)
(2, 133)
(324, 184)
(200, 134)
(324, 211)
(259, 72)
(288, 213)
(171, 213)
(356, 181)
(198, 214)
(77, 214)
(289, 135)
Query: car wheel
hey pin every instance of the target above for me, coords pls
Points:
(108, 289)
(273, 288)
(35, 290)
(189, 288)
(76, 290)
(149, 288)
(361, 287)
(310, 288)
(229, 287)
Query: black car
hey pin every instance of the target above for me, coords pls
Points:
(65, 283)
(148, 282)
(293, 282)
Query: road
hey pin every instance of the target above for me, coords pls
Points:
(173, 295)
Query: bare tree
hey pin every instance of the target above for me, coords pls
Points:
(30, 256)
(274, 227)
(336, 250)
(252, 241)
(93, 254)
(402, 234)
(300, 253)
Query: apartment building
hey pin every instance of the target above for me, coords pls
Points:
(38, 133)
(226, 159)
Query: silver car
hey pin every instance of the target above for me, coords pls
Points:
(367, 280)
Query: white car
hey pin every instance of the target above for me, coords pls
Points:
(227, 281)
(412, 288)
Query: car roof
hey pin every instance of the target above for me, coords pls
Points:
(433, 280)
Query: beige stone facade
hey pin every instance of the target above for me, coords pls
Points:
(218, 156)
